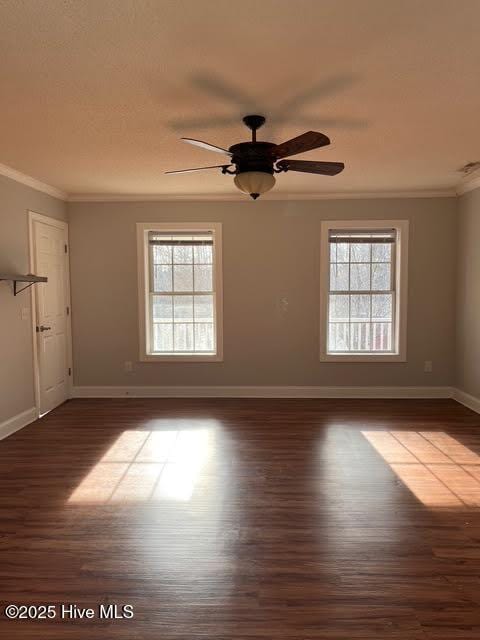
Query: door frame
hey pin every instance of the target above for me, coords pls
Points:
(33, 217)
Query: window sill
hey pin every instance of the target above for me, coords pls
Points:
(367, 357)
(151, 357)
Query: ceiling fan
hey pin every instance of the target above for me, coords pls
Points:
(255, 162)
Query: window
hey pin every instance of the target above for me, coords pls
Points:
(180, 291)
(363, 271)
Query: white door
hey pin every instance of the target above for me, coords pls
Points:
(52, 306)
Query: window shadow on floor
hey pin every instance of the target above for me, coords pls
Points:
(440, 471)
(143, 466)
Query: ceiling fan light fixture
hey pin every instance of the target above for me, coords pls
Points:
(254, 182)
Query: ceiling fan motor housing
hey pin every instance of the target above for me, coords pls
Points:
(253, 156)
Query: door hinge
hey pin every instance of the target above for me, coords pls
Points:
(69, 371)
(68, 311)
(66, 249)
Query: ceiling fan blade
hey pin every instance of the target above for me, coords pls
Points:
(312, 166)
(306, 142)
(207, 145)
(215, 166)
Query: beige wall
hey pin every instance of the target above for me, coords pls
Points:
(271, 251)
(16, 348)
(468, 294)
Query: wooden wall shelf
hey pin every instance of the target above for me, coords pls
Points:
(17, 278)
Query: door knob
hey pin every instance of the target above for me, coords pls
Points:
(41, 328)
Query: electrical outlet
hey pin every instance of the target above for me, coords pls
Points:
(428, 366)
(128, 366)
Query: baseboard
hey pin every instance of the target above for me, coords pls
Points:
(466, 399)
(17, 422)
(261, 392)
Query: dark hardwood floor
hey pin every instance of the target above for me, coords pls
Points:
(245, 519)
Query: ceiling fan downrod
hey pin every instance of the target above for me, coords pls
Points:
(254, 122)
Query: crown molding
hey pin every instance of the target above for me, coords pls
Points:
(342, 195)
(468, 183)
(28, 181)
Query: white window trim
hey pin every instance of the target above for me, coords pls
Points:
(401, 287)
(143, 229)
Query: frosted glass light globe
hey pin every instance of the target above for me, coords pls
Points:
(254, 182)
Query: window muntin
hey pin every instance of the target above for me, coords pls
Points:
(182, 295)
(362, 292)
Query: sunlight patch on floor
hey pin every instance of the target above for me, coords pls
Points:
(142, 466)
(438, 470)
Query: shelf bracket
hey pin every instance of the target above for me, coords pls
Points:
(17, 278)
(16, 290)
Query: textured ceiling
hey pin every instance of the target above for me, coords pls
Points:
(95, 94)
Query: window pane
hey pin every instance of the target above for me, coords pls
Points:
(162, 308)
(183, 308)
(359, 307)
(339, 336)
(382, 336)
(183, 254)
(381, 252)
(162, 278)
(382, 306)
(204, 308)
(359, 277)
(333, 251)
(163, 337)
(183, 337)
(360, 252)
(203, 254)
(339, 277)
(162, 254)
(381, 276)
(339, 252)
(204, 336)
(339, 307)
(203, 278)
(183, 278)
(360, 336)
